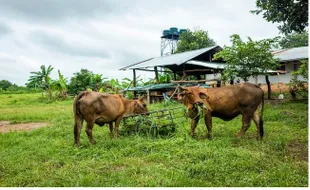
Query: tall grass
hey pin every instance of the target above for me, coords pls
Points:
(48, 157)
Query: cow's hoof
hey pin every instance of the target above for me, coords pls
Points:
(239, 136)
(209, 137)
(194, 136)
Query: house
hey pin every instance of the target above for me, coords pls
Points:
(290, 61)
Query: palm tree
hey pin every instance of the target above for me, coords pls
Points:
(42, 79)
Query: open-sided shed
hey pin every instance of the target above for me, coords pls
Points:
(198, 62)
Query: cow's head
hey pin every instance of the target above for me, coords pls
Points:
(193, 97)
(140, 106)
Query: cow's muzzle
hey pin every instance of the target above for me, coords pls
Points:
(199, 103)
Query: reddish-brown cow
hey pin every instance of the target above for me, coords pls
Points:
(226, 103)
(95, 107)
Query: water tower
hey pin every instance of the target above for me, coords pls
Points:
(169, 40)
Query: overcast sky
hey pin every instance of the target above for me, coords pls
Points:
(105, 35)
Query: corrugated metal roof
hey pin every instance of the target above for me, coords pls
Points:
(292, 54)
(212, 65)
(174, 59)
(215, 65)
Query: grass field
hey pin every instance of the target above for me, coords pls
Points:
(48, 157)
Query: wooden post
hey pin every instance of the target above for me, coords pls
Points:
(175, 75)
(134, 78)
(156, 75)
(134, 82)
(148, 96)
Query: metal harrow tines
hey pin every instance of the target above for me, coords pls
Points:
(155, 122)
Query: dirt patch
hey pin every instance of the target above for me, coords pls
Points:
(6, 127)
(298, 150)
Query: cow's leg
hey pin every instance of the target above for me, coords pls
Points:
(77, 130)
(246, 121)
(208, 122)
(117, 122)
(194, 123)
(257, 118)
(89, 131)
(111, 129)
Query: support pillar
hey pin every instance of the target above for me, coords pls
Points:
(156, 75)
(148, 96)
(134, 82)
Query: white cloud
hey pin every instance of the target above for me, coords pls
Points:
(103, 36)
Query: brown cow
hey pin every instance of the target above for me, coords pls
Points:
(226, 103)
(95, 107)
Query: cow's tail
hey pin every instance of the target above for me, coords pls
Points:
(261, 122)
(78, 118)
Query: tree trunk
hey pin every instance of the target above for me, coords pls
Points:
(269, 87)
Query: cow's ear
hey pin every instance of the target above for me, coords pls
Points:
(181, 96)
(142, 99)
(203, 95)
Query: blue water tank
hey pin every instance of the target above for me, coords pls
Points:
(182, 31)
(166, 32)
(174, 31)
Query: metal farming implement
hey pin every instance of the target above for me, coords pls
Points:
(159, 122)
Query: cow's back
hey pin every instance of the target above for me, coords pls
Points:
(94, 105)
(229, 100)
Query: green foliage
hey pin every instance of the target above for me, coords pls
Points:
(294, 40)
(194, 40)
(80, 81)
(162, 78)
(298, 86)
(291, 14)
(303, 70)
(5, 84)
(246, 59)
(43, 80)
(85, 79)
(60, 86)
(47, 156)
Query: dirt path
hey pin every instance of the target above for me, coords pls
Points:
(6, 127)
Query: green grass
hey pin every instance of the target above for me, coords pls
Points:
(48, 157)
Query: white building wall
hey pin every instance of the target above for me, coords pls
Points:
(282, 78)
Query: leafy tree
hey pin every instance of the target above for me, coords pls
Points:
(303, 70)
(294, 40)
(298, 86)
(246, 59)
(80, 81)
(84, 80)
(194, 40)
(5, 84)
(292, 14)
